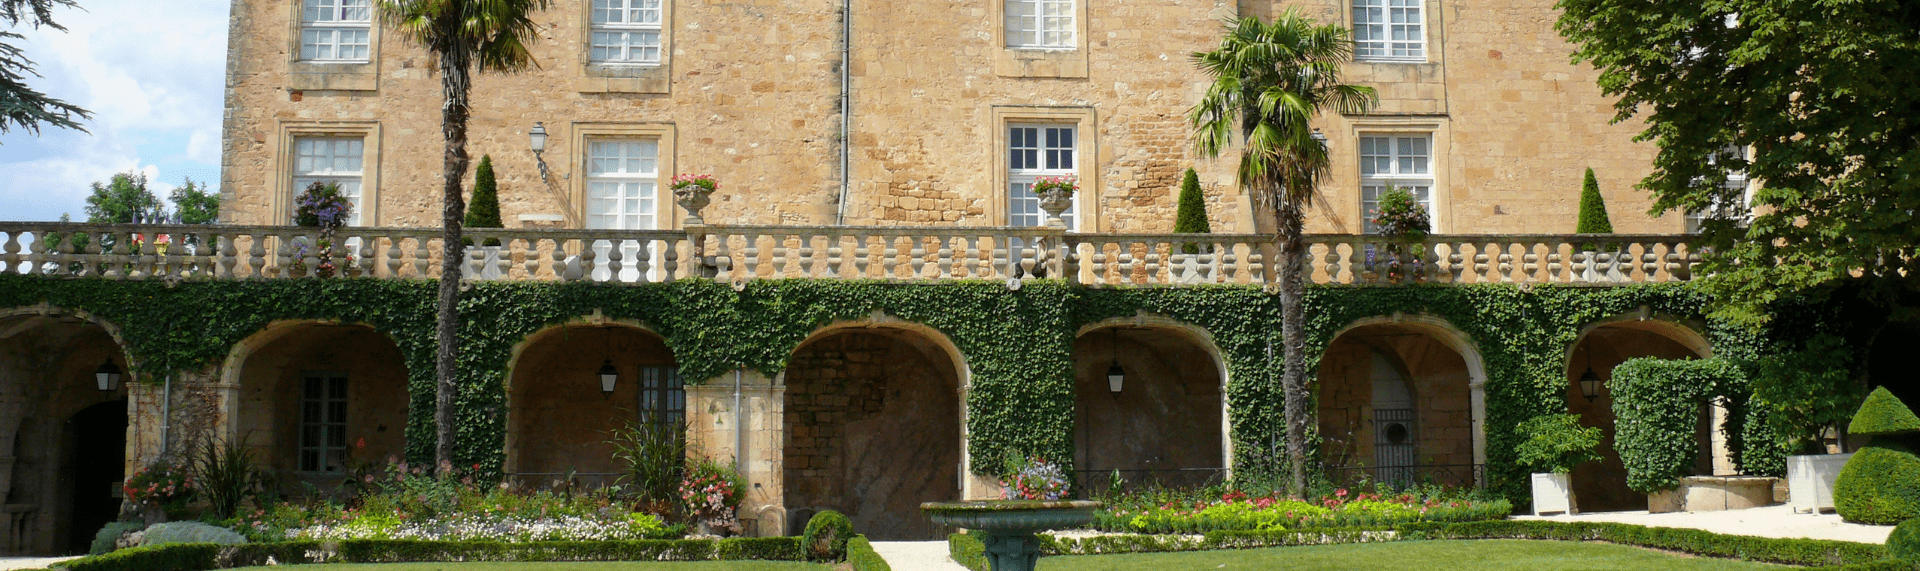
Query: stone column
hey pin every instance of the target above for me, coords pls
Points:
(714, 429)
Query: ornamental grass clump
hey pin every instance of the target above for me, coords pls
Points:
(1880, 485)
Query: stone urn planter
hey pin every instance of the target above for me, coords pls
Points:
(1056, 201)
(693, 197)
(1810, 481)
(1011, 525)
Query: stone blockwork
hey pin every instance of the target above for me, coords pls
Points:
(62, 440)
(1435, 377)
(558, 420)
(269, 386)
(1164, 425)
(1514, 124)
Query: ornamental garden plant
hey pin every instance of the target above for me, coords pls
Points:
(1226, 509)
(1881, 483)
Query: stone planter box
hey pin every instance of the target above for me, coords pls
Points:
(1810, 481)
(1553, 494)
(1713, 493)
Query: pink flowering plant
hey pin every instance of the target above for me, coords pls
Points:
(1034, 478)
(710, 492)
(1068, 183)
(1401, 216)
(159, 484)
(705, 182)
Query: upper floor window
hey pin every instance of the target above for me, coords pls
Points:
(622, 183)
(626, 31)
(1394, 161)
(1731, 204)
(1034, 151)
(1389, 30)
(1041, 24)
(335, 30)
(337, 160)
(323, 421)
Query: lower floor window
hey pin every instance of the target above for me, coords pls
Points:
(663, 399)
(323, 421)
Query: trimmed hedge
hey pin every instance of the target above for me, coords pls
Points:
(862, 557)
(1880, 485)
(1656, 404)
(826, 536)
(1882, 414)
(968, 551)
(205, 556)
(1904, 542)
(1810, 552)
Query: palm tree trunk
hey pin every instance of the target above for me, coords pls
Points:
(454, 83)
(1293, 321)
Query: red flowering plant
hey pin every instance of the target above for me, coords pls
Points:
(710, 492)
(160, 485)
(706, 182)
(1034, 478)
(1068, 183)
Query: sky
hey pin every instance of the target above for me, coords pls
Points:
(152, 74)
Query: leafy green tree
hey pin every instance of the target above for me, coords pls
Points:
(462, 35)
(1191, 216)
(194, 205)
(484, 212)
(21, 106)
(1269, 80)
(122, 198)
(1820, 92)
(1593, 208)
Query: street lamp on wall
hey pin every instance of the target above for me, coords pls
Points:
(1590, 384)
(1116, 376)
(608, 376)
(107, 376)
(537, 139)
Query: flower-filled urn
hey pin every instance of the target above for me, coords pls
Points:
(694, 192)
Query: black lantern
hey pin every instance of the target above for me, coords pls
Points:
(608, 376)
(1590, 384)
(107, 376)
(537, 139)
(1115, 375)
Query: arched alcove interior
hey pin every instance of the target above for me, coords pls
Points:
(1602, 486)
(561, 422)
(1396, 405)
(63, 441)
(1888, 363)
(873, 427)
(316, 399)
(1164, 425)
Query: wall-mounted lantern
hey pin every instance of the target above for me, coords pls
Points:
(107, 376)
(1116, 376)
(537, 139)
(608, 376)
(1590, 384)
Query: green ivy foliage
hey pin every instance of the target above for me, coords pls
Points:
(1657, 404)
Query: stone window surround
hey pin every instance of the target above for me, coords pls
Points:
(1086, 159)
(280, 205)
(577, 157)
(1431, 21)
(334, 75)
(1034, 62)
(1439, 142)
(624, 77)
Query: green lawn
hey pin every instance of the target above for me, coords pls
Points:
(583, 566)
(1477, 555)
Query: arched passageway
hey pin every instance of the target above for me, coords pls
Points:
(317, 399)
(561, 420)
(1602, 486)
(1162, 426)
(873, 429)
(63, 440)
(1890, 364)
(1396, 405)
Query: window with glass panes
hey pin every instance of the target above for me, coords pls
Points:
(323, 421)
(336, 160)
(1388, 30)
(1390, 161)
(626, 31)
(1035, 151)
(336, 30)
(1729, 205)
(1039, 24)
(662, 398)
(622, 183)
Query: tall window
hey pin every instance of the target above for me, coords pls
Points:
(622, 183)
(1394, 161)
(1388, 30)
(1045, 24)
(1036, 151)
(626, 31)
(662, 398)
(335, 30)
(330, 159)
(1728, 205)
(323, 421)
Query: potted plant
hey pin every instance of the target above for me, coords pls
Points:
(1056, 196)
(484, 212)
(694, 192)
(1594, 220)
(1556, 443)
(1404, 222)
(320, 206)
(712, 492)
(160, 490)
(1807, 394)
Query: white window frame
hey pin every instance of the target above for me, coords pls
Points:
(1736, 181)
(1408, 161)
(638, 212)
(345, 164)
(323, 439)
(1389, 30)
(336, 20)
(1050, 159)
(1041, 24)
(650, 14)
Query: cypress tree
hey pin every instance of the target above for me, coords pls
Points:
(484, 209)
(1191, 217)
(1593, 209)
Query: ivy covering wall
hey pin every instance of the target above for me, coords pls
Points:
(1017, 345)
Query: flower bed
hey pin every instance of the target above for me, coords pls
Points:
(204, 556)
(1238, 511)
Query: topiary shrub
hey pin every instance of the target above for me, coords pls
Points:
(1191, 216)
(1593, 208)
(188, 532)
(484, 210)
(1904, 543)
(1881, 484)
(104, 540)
(1657, 404)
(826, 536)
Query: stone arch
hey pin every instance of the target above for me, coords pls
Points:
(1181, 367)
(1600, 346)
(1441, 367)
(864, 401)
(313, 398)
(559, 421)
(63, 442)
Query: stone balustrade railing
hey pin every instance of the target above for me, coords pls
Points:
(740, 253)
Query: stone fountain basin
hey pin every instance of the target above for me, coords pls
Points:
(1011, 516)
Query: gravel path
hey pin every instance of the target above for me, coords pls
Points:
(7, 563)
(916, 555)
(1770, 521)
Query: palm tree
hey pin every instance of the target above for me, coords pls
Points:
(462, 34)
(1269, 81)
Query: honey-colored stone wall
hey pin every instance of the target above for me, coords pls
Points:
(558, 419)
(1436, 378)
(1164, 424)
(268, 395)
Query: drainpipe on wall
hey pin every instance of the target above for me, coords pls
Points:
(739, 428)
(846, 109)
(166, 412)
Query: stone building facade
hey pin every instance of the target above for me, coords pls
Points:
(914, 113)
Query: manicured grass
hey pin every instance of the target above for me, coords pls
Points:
(565, 565)
(1477, 555)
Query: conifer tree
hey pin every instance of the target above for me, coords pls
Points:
(484, 210)
(1191, 216)
(1593, 209)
